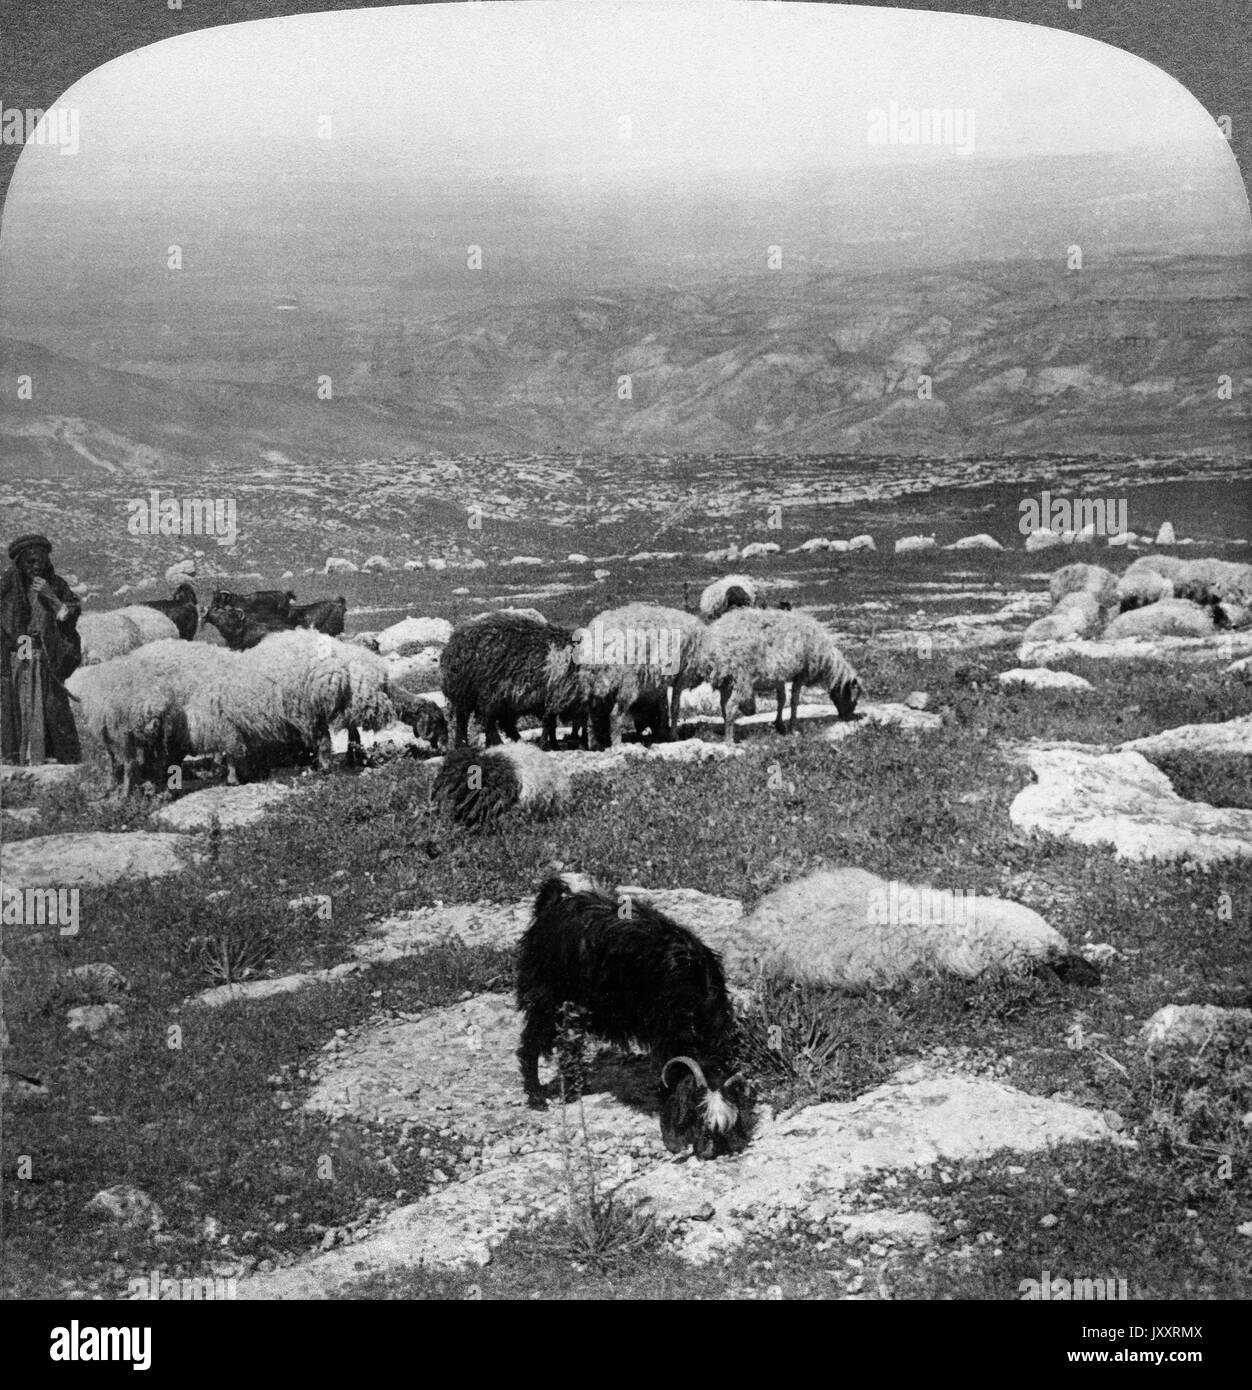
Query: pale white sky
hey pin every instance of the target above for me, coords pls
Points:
(540, 88)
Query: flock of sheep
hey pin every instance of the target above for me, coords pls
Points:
(1157, 596)
(284, 679)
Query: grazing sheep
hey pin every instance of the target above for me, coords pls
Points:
(1216, 583)
(108, 635)
(170, 700)
(1095, 580)
(477, 786)
(627, 658)
(1074, 615)
(733, 591)
(633, 975)
(182, 610)
(503, 666)
(1169, 617)
(851, 928)
(750, 649)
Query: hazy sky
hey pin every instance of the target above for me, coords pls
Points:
(542, 88)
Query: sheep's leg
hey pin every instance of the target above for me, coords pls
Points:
(356, 754)
(675, 706)
(538, 1039)
(730, 708)
(325, 758)
(600, 721)
(461, 715)
(780, 694)
(493, 731)
(795, 703)
(508, 723)
(548, 739)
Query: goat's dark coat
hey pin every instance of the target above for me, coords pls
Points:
(181, 610)
(324, 615)
(638, 977)
(276, 602)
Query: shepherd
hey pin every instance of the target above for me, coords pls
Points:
(39, 649)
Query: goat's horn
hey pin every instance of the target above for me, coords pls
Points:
(688, 1062)
(730, 1080)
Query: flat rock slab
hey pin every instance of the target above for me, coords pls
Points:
(456, 1068)
(1226, 736)
(1221, 646)
(232, 806)
(1041, 678)
(1121, 800)
(895, 715)
(269, 989)
(93, 858)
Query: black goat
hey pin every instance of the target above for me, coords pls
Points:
(181, 610)
(241, 630)
(270, 602)
(325, 615)
(633, 975)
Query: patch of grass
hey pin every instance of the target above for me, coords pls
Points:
(1221, 779)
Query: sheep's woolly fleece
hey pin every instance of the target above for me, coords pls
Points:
(635, 650)
(851, 928)
(235, 702)
(1167, 617)
(1095, 580)
(475, 786)
(762, 648)
(713, 599)
(108, 635)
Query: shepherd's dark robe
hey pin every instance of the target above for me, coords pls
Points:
(37, 655)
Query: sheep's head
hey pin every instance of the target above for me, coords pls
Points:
(706, 1113)
(845, 695)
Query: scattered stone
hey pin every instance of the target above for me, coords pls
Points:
(1121, 800)
(96, 1020)
(180, 571)
(525, 560)
(1043, 539)
(906, 544)
(601, 574)
(862, 543)
(1224, 736)
(411, 636)
(268, 989)
(910, 1227)
(415, 564)
(1041, 678)
(376, 563)
(979, 542)
(436, 563)
(1166, 536)
(92, 858)
(231, 807)
(26, 816)
(1122, 538)
(576, 558)
(336, 564)
(129, 1206)
(917, 699)
(1219, 646)
(1191, 1028)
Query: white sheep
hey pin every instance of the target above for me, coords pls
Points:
(171, 699)
(627, 656)
(750, 649)
(1075, 615)
(1095, 580)
(1168, 617)
(850, 928)
(106, 635)
(732, 591)
(1148, 580)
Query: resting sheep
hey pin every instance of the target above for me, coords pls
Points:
(750, 649)
(477, 786)
(633, 975)
(851, 928)
(1168, 617)
(1084, 579)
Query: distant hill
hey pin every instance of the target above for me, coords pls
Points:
(1022, 357)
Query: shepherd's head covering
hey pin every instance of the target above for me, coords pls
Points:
(29, 543)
